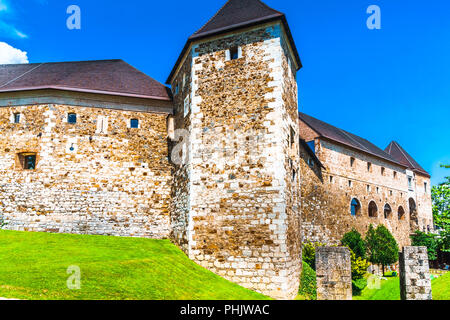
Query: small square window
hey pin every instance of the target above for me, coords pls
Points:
(72, 118)
(27, 161)
(134, 123)
(16, 117)
(234, 53)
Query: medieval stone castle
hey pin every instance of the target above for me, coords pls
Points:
(222, 163)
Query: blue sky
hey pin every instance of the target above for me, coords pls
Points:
(388, 84)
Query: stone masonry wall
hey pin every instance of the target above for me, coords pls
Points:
(97, 176)
(327, 195)
(243, 219)
(333, 273)
(415, 282)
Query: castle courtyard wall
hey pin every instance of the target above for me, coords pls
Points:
(327, 194)
(97, 176)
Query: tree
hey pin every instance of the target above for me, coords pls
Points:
(440, 196)
(381, 246)
(355, 242)
(422, 239)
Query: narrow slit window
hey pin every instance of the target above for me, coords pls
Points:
(72, 118)
(134, 123)
(352, 161)
(16, 117)
(369, 166)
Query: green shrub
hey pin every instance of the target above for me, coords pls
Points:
(308, 285)
(355, 242)
(359, 266)
(358, 286)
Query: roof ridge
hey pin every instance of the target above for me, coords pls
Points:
(264, 4)
(215, 15)
(18, 77)
(59, 62)
(406, 157)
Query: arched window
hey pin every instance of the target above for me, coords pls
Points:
(387, 211)
(401, 213)
(413, 219)
(355, 207)
(373, 209)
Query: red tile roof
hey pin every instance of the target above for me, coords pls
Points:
(398, 153)
(333, 133)
(237, 14)
(114, 77)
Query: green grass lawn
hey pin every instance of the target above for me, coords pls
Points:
(34, 266)
(390, 289)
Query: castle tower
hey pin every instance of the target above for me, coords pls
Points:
(235, 149)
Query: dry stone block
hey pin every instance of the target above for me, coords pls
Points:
(334, 274)
(415, 282)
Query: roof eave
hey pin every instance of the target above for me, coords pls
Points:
(86, 91)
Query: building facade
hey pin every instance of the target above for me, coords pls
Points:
(222, 163)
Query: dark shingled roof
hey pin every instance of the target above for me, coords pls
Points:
(114, 77)
(237, 14)
(398, 153)
(330, 132)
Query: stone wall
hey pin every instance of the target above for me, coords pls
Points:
(327, 194)
(415, 282)
(334, 273)
(243, 193)
(97, 176)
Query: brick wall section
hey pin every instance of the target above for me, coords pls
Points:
(115, 182)
(415, 282)
(334, 274)
(243, 219)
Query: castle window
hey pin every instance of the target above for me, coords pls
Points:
(186, 106)
(134, 123)
(369, 167)
(27, 160)
(425, 187)
(16, 117)
(331, 179)
(352, 161)
(395, 174)
(234, 53)
(355, 207)
(177, 89)
(294, 174)
(311, 162)
(312, 146)
(350, 183)
(387, 211)
(373, 209)
(401, 213)
(368, 188)
(378, 190)
(72, 118)
(410, 186)
(291, 136)
(382, 171)
(391, 193)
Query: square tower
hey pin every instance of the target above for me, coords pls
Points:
(235, 152)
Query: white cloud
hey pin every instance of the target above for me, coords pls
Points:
(9, 54)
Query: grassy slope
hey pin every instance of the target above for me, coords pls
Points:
(390, 290)
(33, 266)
